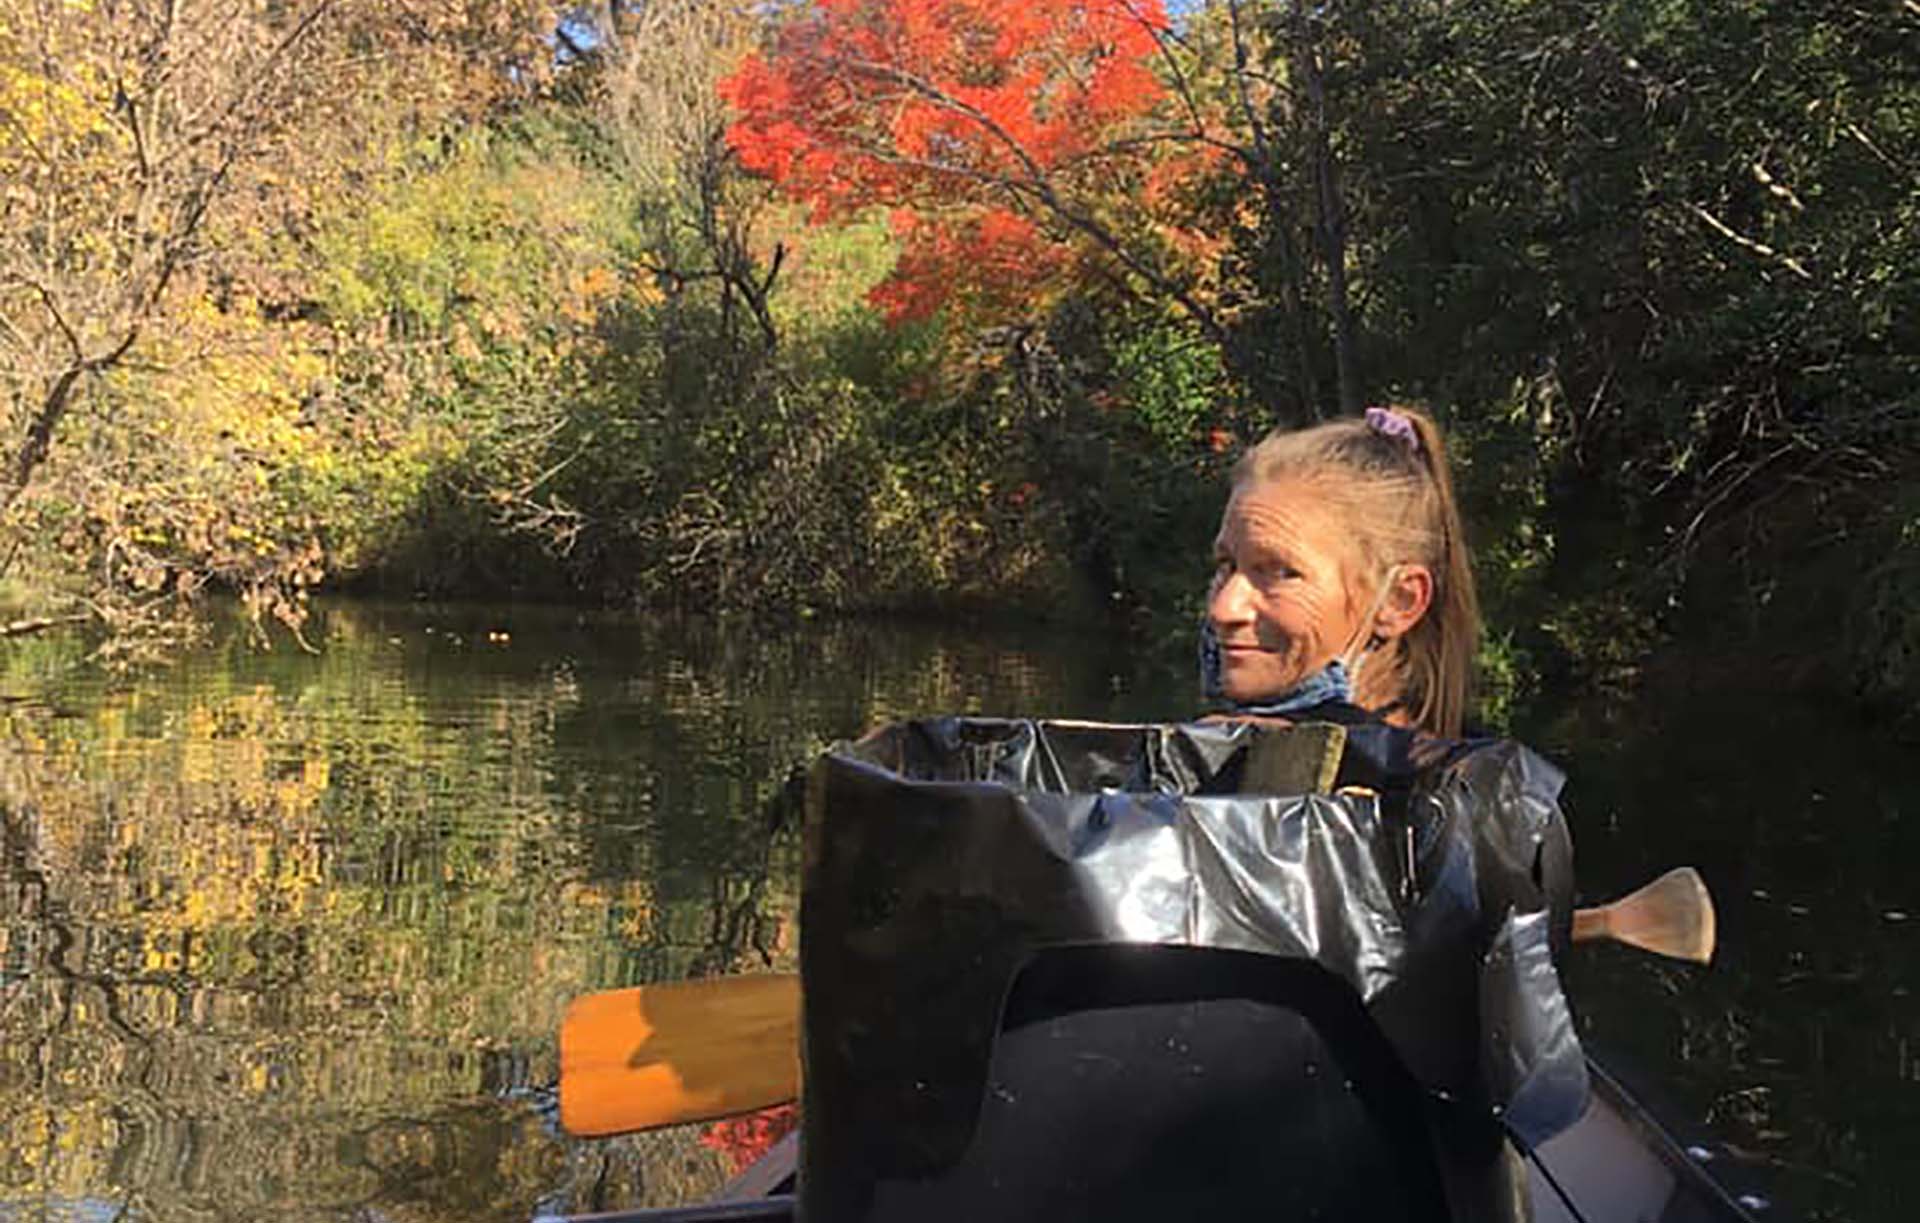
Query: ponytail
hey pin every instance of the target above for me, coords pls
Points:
(1440, 649)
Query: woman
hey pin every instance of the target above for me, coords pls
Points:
(1342, 576)
(1343, 591)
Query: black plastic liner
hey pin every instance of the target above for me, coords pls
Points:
(1000, 1021)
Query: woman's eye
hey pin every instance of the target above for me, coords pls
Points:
(1261, 572)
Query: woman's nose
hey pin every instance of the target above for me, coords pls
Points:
(1229, 602)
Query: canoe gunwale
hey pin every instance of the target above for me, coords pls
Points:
(1697, 1162)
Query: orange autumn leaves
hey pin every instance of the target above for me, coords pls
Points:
(989, 262)
(1015, 142)
(858, 98)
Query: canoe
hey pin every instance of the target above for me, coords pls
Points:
(1161, 1076)
(1619, 1164)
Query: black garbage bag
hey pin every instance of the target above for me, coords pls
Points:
(1064, 970)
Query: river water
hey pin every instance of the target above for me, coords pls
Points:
(287, 934)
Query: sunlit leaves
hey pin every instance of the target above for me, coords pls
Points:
(160, 164)
(1002, 133)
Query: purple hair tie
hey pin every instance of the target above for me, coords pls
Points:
(1389, 423)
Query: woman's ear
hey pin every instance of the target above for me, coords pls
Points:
(1408, 595)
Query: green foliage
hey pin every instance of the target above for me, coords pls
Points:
(464, 298)
(1650, 262)
(1174, 383)
(1652, 265)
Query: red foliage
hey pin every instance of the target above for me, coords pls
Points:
(746, 1138)
(983, 123)
(988, 260)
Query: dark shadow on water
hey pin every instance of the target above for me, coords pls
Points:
(1798, 1045)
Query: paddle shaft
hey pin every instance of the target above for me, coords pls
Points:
(1589, 924)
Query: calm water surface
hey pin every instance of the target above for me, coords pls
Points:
(290, 935)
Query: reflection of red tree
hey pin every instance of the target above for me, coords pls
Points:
(745, 1139)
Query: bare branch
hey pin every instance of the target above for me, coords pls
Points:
(1330, 219)
(59, 321)
(1127, 144)
(571, 44)
(39, 624)
(1162, 38)
(1263, 161)
(1776, 188)
(1745, 243)
(1853, 129)
(239, 104)
(14, 335)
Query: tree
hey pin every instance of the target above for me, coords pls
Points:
(1029, 148)
(153, 149)
(123, 125)
(1015, 142)
(660, 67)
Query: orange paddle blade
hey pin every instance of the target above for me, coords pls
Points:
(631, 1059)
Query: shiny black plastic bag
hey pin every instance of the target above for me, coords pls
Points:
(999, 1018)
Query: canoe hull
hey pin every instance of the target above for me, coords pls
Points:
(1618, 1164)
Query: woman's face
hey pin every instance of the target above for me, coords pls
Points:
(1282, 602)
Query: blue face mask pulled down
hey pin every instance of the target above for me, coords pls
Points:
(1329, 683)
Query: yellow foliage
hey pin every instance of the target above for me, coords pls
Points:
(39, 113)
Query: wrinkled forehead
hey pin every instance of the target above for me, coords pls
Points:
(1306, 513)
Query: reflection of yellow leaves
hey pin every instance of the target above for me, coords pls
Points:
(30, 1138)
(195, 909)
(208, 877)
(646, 290)
(596, 282)
(635, 925)
(196, 762)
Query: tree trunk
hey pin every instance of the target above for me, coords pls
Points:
(1330, 215)
(1279, 228)
(33, 451)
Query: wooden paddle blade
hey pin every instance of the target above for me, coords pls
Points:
(632, 1059)
(1672, 916)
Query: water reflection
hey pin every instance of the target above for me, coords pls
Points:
(292, 934)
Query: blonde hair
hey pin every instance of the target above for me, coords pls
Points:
(1399, 501)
